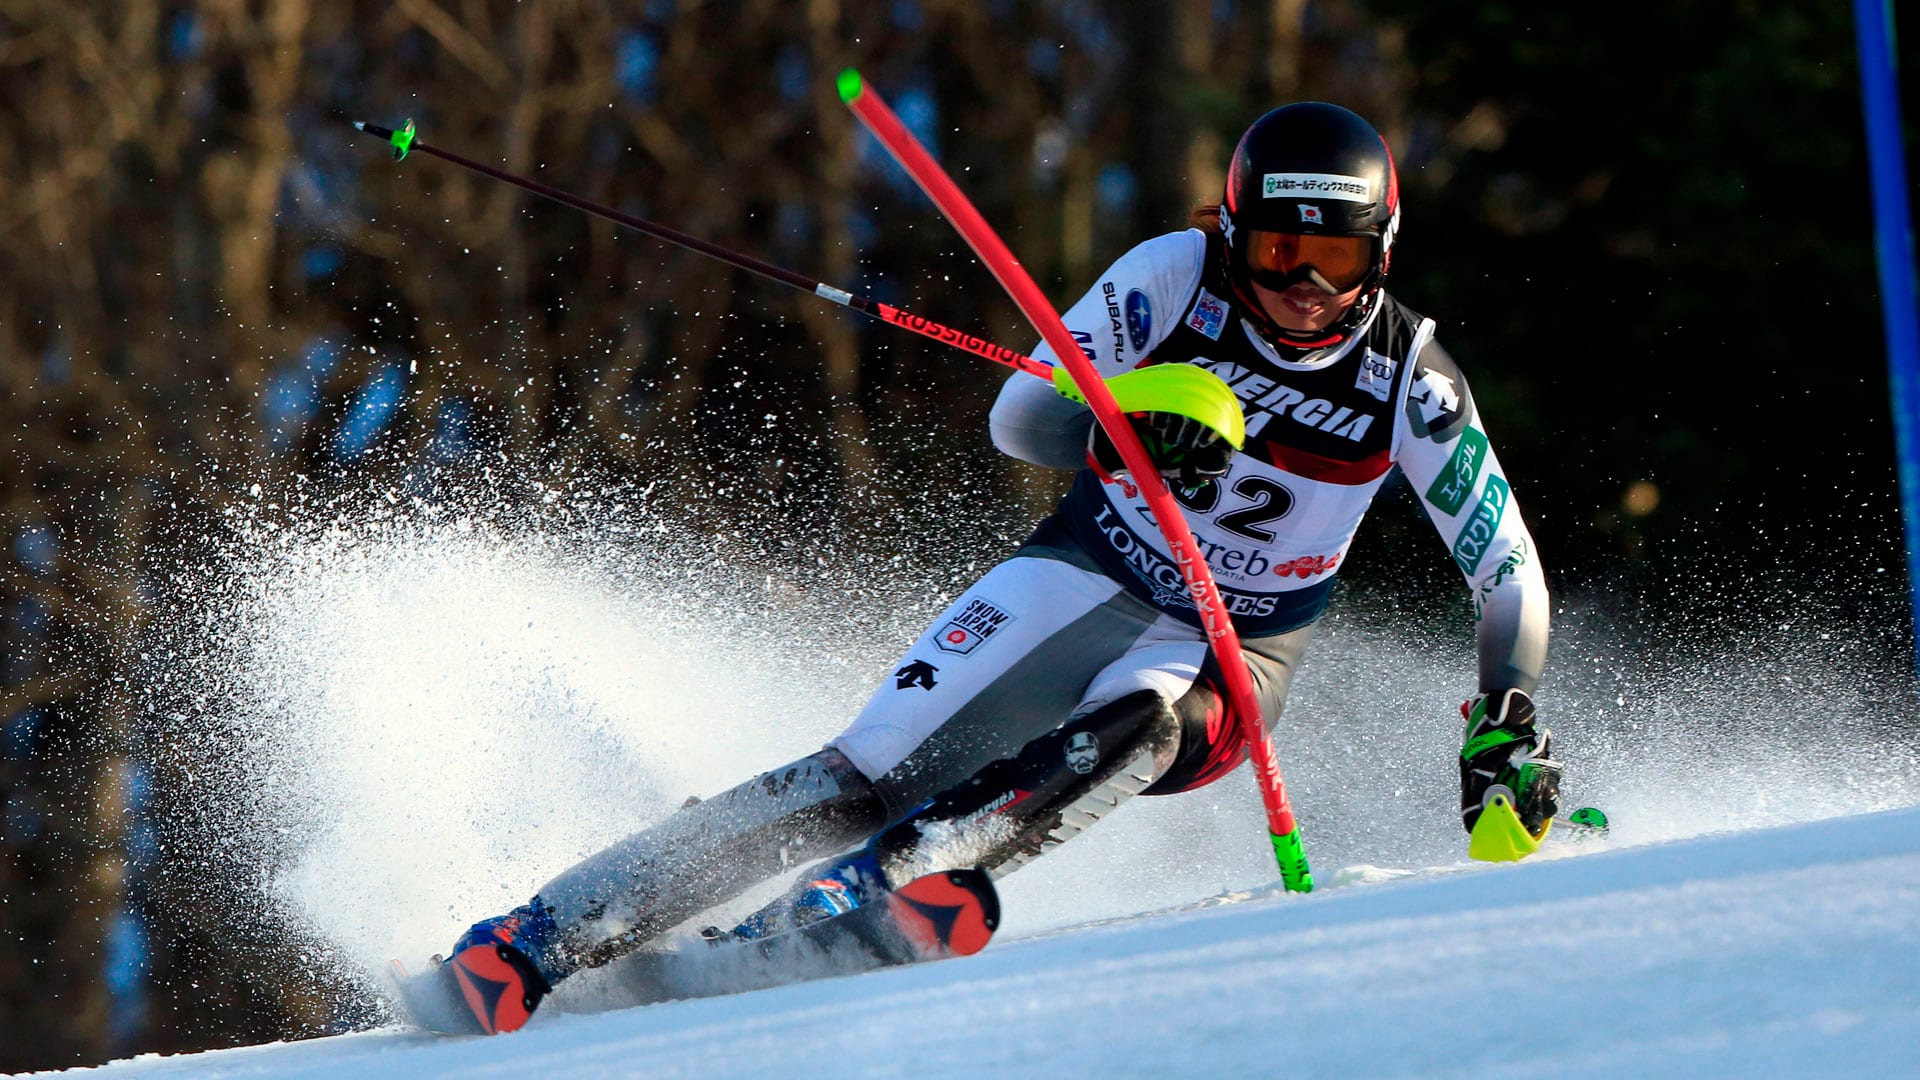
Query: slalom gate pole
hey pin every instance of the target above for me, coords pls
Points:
(1893, 244)
(938, 186)
(403, 142)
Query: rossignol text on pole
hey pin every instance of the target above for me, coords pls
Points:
(939, 187)
(403, 141)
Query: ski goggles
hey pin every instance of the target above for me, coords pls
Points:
(1281, 260)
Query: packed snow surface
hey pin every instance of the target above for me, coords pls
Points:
(384, 726)
(1787, 951)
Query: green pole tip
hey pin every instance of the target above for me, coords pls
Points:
(402, 141)
(849, 83)
(1294, 872)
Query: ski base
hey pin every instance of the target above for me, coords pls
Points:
(952, 913)
(480, 990)
(431, 1000)
(1499, 837)
(1586, 822)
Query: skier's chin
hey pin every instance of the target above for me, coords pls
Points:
(1304, 308)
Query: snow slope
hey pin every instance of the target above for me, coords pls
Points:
(1786, 951)
(519, 691)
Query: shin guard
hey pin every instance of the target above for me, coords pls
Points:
(709, 852)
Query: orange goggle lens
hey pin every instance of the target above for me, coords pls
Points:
(1344, 261)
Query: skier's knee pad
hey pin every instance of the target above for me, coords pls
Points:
(1080, 752)
(1212, 742)
(1141, 730)
(1050, 791)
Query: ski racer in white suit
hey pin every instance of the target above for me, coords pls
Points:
(1074, 674)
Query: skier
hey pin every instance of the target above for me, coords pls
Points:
(1075, 675)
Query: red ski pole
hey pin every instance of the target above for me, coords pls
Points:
(885, 126)
(403, 141)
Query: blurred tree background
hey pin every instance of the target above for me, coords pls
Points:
(1646, 238)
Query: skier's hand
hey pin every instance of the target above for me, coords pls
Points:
(1186, 451)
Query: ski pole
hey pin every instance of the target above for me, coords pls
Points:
(404, 141)
(938, 186)
(1281, 825)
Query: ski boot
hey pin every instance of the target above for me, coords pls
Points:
(1509, 782)
(505, 965)
(830, 889)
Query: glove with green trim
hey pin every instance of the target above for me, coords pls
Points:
(1186, 417)
(1186, 451)
(1504, 755)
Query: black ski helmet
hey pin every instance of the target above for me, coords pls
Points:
(1316, 169)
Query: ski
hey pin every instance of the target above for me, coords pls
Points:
(1583, 825)
(947, 914)
(433, 999)
(952, 913)
(1586, 821)
(1498, 836)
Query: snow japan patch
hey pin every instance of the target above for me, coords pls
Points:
(978, 621)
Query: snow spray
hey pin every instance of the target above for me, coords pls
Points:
(387, 716)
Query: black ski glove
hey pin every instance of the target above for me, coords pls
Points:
(1186, 451)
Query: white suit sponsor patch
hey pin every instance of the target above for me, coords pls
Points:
(978, 621)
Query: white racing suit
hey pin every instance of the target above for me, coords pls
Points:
(1093, 608)
(1075, 674)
